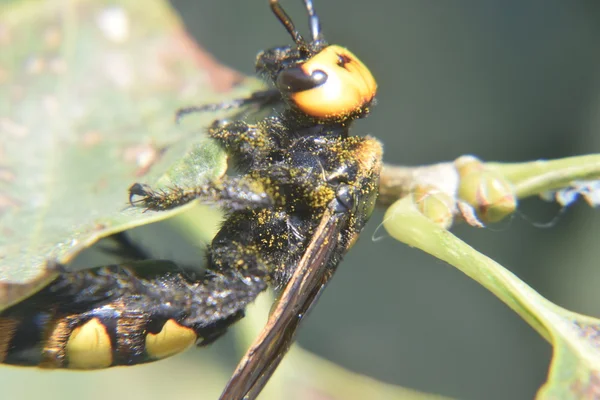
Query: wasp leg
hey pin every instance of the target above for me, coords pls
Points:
(259, 99)
(230, 194)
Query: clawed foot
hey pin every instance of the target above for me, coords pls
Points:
(141, 190)
(151, 199)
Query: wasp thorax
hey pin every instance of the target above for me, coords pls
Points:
(332, 84)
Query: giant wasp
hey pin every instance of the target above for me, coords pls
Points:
(305, 190)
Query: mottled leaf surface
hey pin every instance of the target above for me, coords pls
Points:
(88, 91)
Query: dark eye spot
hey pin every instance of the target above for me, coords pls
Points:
(343, 60)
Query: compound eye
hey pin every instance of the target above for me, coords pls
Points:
(333, 84)
(294, 80)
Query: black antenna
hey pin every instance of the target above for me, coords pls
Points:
(313, 22)
(287, 22)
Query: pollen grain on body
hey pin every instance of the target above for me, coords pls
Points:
(301, 192)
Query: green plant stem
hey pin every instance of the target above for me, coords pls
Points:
(532, 178)
(406, 224)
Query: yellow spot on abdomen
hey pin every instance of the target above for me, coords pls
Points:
(172, 339)
(89, 346)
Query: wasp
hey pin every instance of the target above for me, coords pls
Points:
(304, 190)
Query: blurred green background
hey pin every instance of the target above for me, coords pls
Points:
(504, 80)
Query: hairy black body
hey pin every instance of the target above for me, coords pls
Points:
(303, 192)
(290, 174)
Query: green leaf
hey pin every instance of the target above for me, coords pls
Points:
(88, 92)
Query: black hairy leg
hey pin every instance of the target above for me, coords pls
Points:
(230, 194)
(258, 99)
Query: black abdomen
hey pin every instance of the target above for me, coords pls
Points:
(69, 325)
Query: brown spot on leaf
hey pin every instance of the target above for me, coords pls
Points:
(6, 175)
(144, 155)
(52, 37)
(8, 126)
(7, 202)
(17, 93)
(5, 36)
(7, 232)
(91, 138)
(3, 75)
(35, 65)
(222, 78)
(100, 185)
(99, 226)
